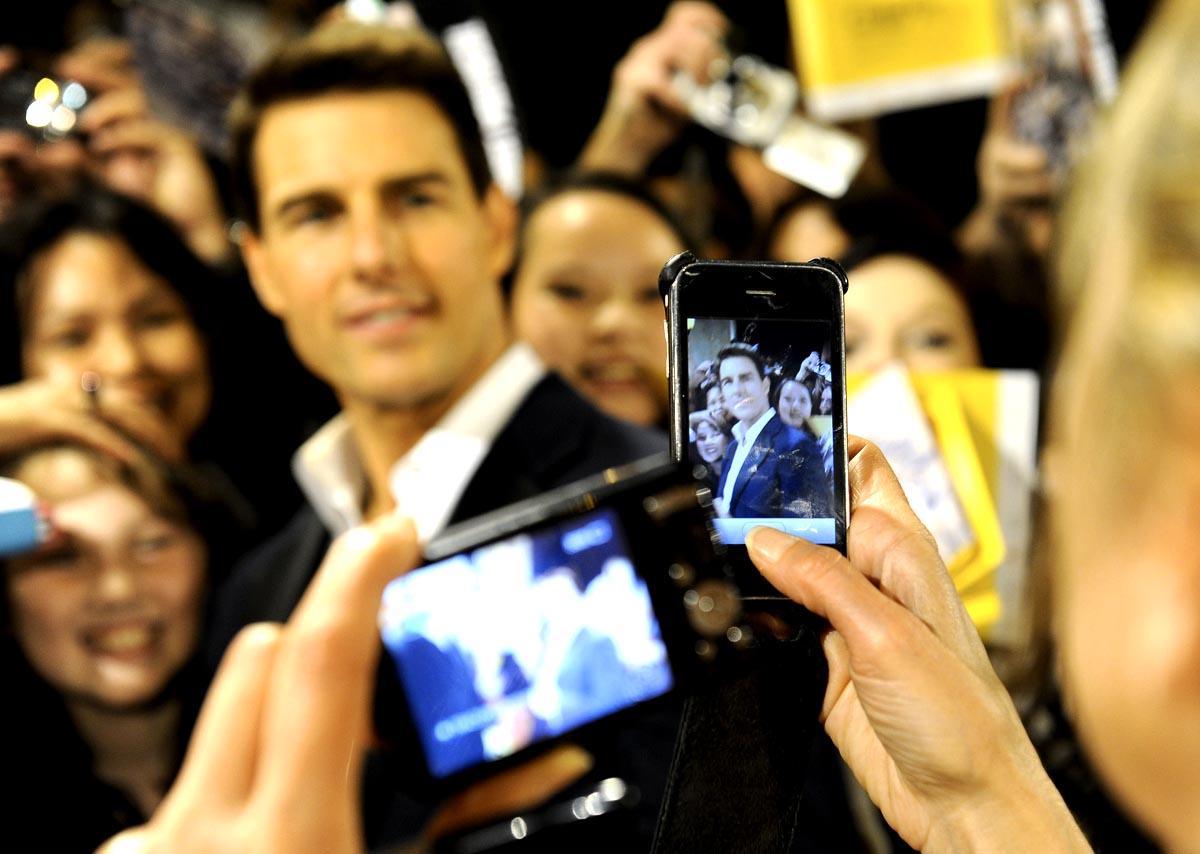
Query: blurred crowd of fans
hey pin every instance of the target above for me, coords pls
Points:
(120, 233)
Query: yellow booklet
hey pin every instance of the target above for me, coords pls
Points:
(1001, 409)
(967, 464)
(858, 58)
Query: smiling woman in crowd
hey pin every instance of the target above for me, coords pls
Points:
(104, 294)
(101, 629)
(711, 442)
(585, 291)
(793, 401)
(100, 292)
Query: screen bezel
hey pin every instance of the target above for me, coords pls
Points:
(772, 291)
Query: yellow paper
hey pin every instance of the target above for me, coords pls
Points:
(865, 57)
(969, 454)
(984, 609)
(941, 404)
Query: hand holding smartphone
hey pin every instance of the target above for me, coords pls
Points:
(765, 426)
(572, 610)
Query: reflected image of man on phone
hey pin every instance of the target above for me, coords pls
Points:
(774, 470)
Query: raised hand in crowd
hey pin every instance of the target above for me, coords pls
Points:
(135, 153)
(275, 760)
(44, 409)
(644, 112)
(913, 704)
(1016, 188)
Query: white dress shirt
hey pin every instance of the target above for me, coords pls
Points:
(429, 480)
(745, 441)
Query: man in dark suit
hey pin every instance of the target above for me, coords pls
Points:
(375, 233)
(774, 470)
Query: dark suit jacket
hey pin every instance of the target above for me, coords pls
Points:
(554, 438)
(783, 475)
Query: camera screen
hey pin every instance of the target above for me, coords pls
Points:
(761, 423)
(522, 640)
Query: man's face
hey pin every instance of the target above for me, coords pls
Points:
(745, 391)
(374, 248)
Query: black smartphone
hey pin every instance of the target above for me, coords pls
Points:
(757, 370)
(552, 616)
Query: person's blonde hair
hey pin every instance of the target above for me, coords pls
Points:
(1129, 262)
(1128, 298)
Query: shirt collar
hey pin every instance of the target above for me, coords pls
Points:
(428, 481)
(331, 476)
(747, 436)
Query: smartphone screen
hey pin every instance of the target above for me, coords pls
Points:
(522, 640)
(761, 423)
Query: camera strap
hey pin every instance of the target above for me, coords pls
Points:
(742, 755)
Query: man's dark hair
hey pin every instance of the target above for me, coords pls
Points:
(739, 348)
(350, 57)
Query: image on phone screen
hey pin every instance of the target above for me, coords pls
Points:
(760, 425)
(522, 640)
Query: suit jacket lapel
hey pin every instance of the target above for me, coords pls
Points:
(541, 440)
(758, 453)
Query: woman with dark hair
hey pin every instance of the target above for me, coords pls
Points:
(911, 303)
(101, 630)
(909, 299)
(103, 316)
(115, 334)
(794, 403)
(585, 292)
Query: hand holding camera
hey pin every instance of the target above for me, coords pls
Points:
(151, 160)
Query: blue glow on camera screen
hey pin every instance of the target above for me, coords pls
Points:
(523, 640)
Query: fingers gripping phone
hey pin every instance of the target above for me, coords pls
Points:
(758, 407)
(550, 616)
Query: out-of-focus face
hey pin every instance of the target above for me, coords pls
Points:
(899, 308)
(710, 443)
(586, 297)
(113, 613)
(374, 248)
(96, 307)
(1126, 619)
(827, 400)
(809, 232)
(746, 392)
(795, 403)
